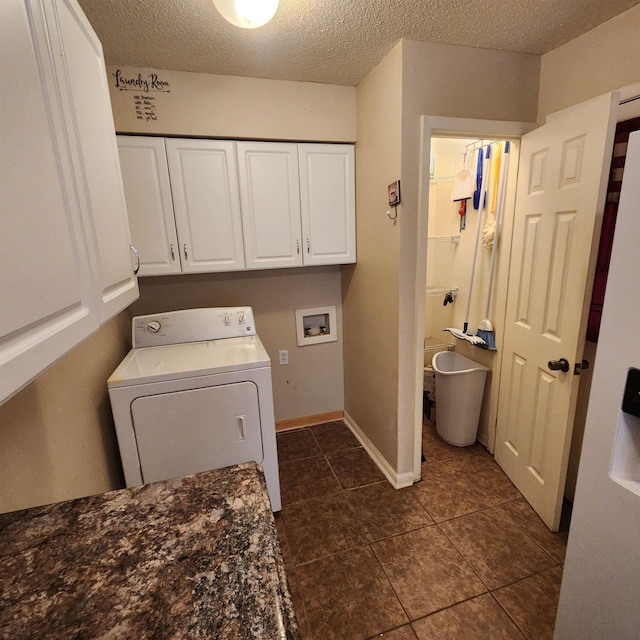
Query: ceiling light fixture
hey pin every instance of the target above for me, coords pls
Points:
(248, 14)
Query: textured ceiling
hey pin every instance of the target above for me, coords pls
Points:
(333, 41)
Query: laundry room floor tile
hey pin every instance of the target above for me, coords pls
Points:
(481, 617)
(334, 436)
(555, 544)
(396, 510)
(448, 493)
(426, 571)
(404, 632)
(304, 479)
(487, 477)
(296, 445)
(498, 550)
(533, 603)
(435, 449)
(354, 468)
(321, 526)
(347, 595)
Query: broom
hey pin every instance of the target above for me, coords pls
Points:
(485, 329)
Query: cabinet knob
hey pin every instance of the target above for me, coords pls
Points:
(298, 247)
(186, 255)
(137, 255)
(308, 246)
(173, 252)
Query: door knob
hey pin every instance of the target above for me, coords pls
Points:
(559, 365)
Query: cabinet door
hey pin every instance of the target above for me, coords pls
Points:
(45, 280)
(145, 175)
(206, 204)
(270, 196)
(327, 196)
(82, 79)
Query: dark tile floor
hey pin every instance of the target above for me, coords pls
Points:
(460, 555)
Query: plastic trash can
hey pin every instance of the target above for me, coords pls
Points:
(460, 388)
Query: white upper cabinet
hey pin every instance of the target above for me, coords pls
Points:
(229, 206)
(53, 293)
(327, 198)
(146, 185)
(82, 80)
(206, 204)
(270, 197)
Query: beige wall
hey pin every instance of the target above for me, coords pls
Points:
(198, 104)
(370, 288)
(57, 439)
(384, 292)
(312, 382)
(601, 60)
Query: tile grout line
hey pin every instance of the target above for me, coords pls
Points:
(515, 622)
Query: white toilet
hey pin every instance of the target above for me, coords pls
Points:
(459, 389)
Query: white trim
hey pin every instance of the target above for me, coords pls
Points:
(440, 125)
(420, 293)
(398, 481)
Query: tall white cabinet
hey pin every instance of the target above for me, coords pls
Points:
(89, 124)
(65, 261)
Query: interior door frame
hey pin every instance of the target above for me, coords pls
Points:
(445, 127)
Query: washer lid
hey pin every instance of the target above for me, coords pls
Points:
(177, 361)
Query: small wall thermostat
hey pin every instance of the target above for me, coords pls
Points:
(394, 193)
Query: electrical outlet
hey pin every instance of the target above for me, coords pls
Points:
(283, 356)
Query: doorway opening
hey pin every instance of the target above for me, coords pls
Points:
(428, 295)
(465, 280)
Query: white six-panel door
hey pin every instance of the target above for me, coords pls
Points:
(560, 192)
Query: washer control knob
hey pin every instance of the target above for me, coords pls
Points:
(242, 317)
(227, 319)
(154, 326)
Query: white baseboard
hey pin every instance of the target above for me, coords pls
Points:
(398, 481)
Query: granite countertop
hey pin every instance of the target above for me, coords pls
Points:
(194, 557)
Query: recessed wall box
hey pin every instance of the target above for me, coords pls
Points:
(317, 325)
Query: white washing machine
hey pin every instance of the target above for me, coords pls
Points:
(193, 394)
